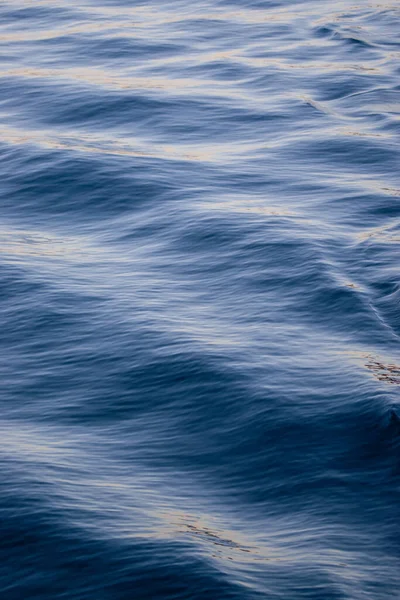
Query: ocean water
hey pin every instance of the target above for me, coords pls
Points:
(199, 301)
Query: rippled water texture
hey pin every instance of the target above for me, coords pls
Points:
(199, 263)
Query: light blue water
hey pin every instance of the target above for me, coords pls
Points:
(199, 263)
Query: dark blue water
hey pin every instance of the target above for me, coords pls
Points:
(199, 301)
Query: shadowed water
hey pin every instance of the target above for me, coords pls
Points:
(200, 325)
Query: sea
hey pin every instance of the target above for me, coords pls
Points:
(199, 300)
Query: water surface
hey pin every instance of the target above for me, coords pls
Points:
(199, 251)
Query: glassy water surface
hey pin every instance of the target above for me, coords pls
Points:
(199, 263)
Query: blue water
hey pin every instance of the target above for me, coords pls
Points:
(199, 301)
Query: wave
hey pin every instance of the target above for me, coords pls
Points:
(199, 300)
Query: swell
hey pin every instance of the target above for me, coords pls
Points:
(199, 300)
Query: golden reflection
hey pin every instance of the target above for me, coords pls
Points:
(151, 16)
(352, 285)
(22, 243)
(389, 373)
(154, 17)
(86, 27)
(312, 64)
(247, 205)
(78, 484)
(355, 8)
(113, 81)
(97, 76)
(94, 144)
(132, 506)
(220, 542)
(383, 370)
(390, 191)
(368, 134)
(384, 234)
(383, 189)
(320, 107)
(228, 544)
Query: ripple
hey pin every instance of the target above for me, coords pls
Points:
(199, 300)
